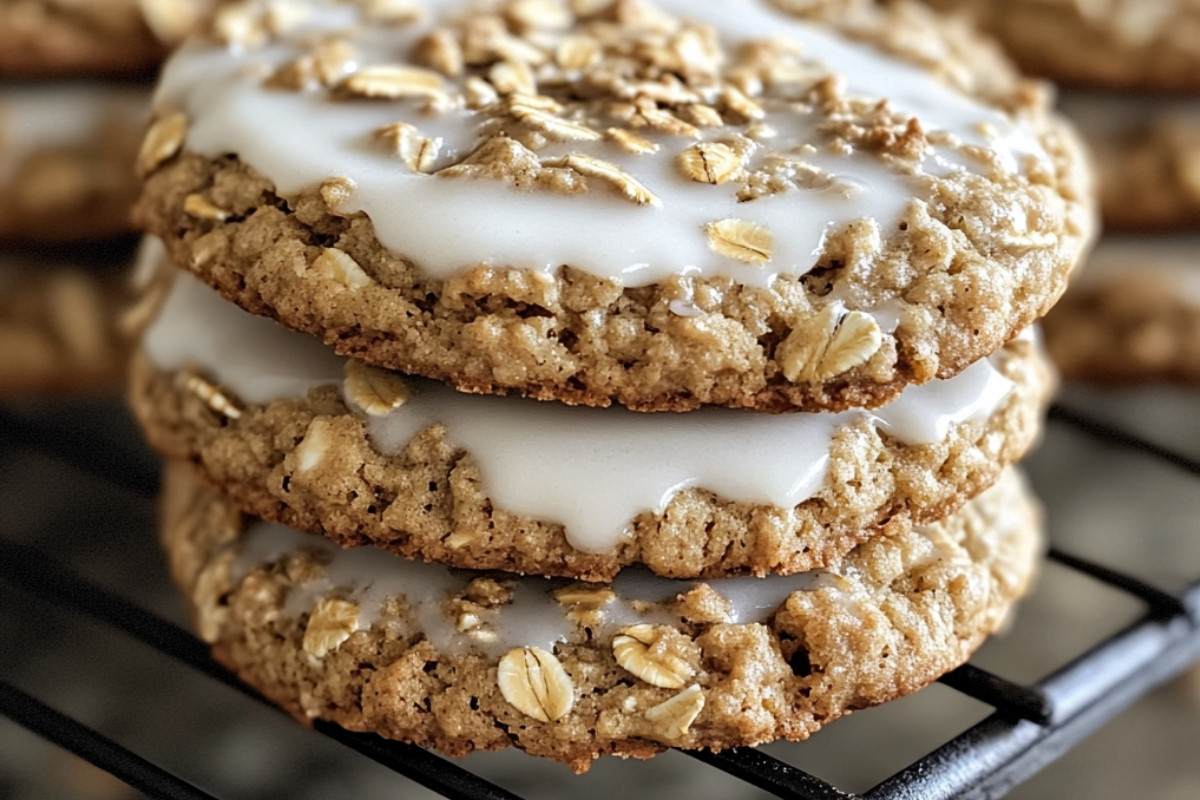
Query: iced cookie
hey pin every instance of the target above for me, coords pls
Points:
(57, 38)
(1134, 44)
(66, 156)
(480, 661)
(300, 435)
(1147, 153)
(1134, 315)
(665, 206)
(58, 328)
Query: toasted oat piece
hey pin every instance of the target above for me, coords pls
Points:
(420, 653)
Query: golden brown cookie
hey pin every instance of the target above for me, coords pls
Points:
(628, 204)
(299, 435)
(481, 661)
(1129, 44)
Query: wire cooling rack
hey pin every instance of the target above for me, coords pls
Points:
(1030, 726)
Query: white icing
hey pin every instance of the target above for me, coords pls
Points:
(36, 116)
(593, 470)
(1110, 115)
(257, 358)
(1171, 260)
(298, 139)
(368, 576)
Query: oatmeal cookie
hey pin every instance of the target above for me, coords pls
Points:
(481, 661)
(627, 204)
(1128, 44)
(299, 435)
(1134, 316)
(66, 155)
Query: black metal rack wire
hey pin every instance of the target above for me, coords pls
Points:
(1031, 725)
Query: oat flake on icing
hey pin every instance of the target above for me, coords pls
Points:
(591, 469)
(298, 139)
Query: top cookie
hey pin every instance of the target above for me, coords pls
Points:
(54, 38)
(1148, 44)
(617, 202)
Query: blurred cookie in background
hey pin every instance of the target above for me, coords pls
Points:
(59, 319)
(57, 38)
(1125, 44)
(1134, 314)
(66, 159)
(1147, 154)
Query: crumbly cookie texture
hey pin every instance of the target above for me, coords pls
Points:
(310, 463)
(1115, 43)
(958, 285)
(54, 38)
(58, 328)
(1137, 322)
(55, 185)
(891, 617)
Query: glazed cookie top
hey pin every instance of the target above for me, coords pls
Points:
(639, 146)
(593, 470)
(1151, 44)
(750, 195)
(52, 38)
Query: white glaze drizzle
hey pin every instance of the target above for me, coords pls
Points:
(36, 117)
(298, 139)
(593, 470)
(257, 358)
(369, 576)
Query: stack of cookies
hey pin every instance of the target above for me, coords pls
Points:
(1132, 75)
(597, 377)
(70, 124)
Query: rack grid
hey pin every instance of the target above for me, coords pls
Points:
(1030, 725)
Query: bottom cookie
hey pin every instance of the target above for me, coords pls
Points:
(1134, 315)
(461, 661)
